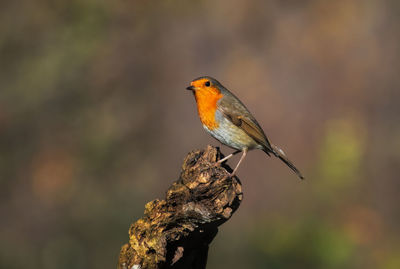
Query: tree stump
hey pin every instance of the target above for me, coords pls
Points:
(176, 232)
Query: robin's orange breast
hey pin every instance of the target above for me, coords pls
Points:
(206, 100)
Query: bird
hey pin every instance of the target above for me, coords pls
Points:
(227, 119)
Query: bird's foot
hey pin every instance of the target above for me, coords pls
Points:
(232, 174)
(218, 163)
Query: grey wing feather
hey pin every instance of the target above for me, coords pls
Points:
(238, 114)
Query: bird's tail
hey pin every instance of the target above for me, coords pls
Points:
(281, 155)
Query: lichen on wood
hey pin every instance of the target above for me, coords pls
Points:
(176, 232)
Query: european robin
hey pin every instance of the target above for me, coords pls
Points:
(225, 117)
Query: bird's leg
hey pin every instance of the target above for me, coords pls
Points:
(241, 159)
(227, 157)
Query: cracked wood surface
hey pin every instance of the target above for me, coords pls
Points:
(176, 232)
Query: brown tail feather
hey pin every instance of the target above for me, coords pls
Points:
(281, 155)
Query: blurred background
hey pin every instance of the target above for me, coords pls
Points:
(95, 122)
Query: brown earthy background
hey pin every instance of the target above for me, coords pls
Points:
(95, 122)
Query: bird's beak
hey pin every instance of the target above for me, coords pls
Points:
(190, 88)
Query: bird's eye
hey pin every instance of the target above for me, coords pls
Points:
(207, 84)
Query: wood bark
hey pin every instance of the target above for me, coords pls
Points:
(176, 232)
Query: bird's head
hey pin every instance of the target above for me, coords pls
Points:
(205, 86)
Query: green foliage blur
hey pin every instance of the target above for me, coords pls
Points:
(95, 122)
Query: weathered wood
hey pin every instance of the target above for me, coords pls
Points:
(176, 232)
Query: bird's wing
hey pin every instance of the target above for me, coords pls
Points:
(238, 114)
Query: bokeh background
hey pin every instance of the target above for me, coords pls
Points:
(95, 122)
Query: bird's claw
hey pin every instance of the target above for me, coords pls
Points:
(218, 163)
